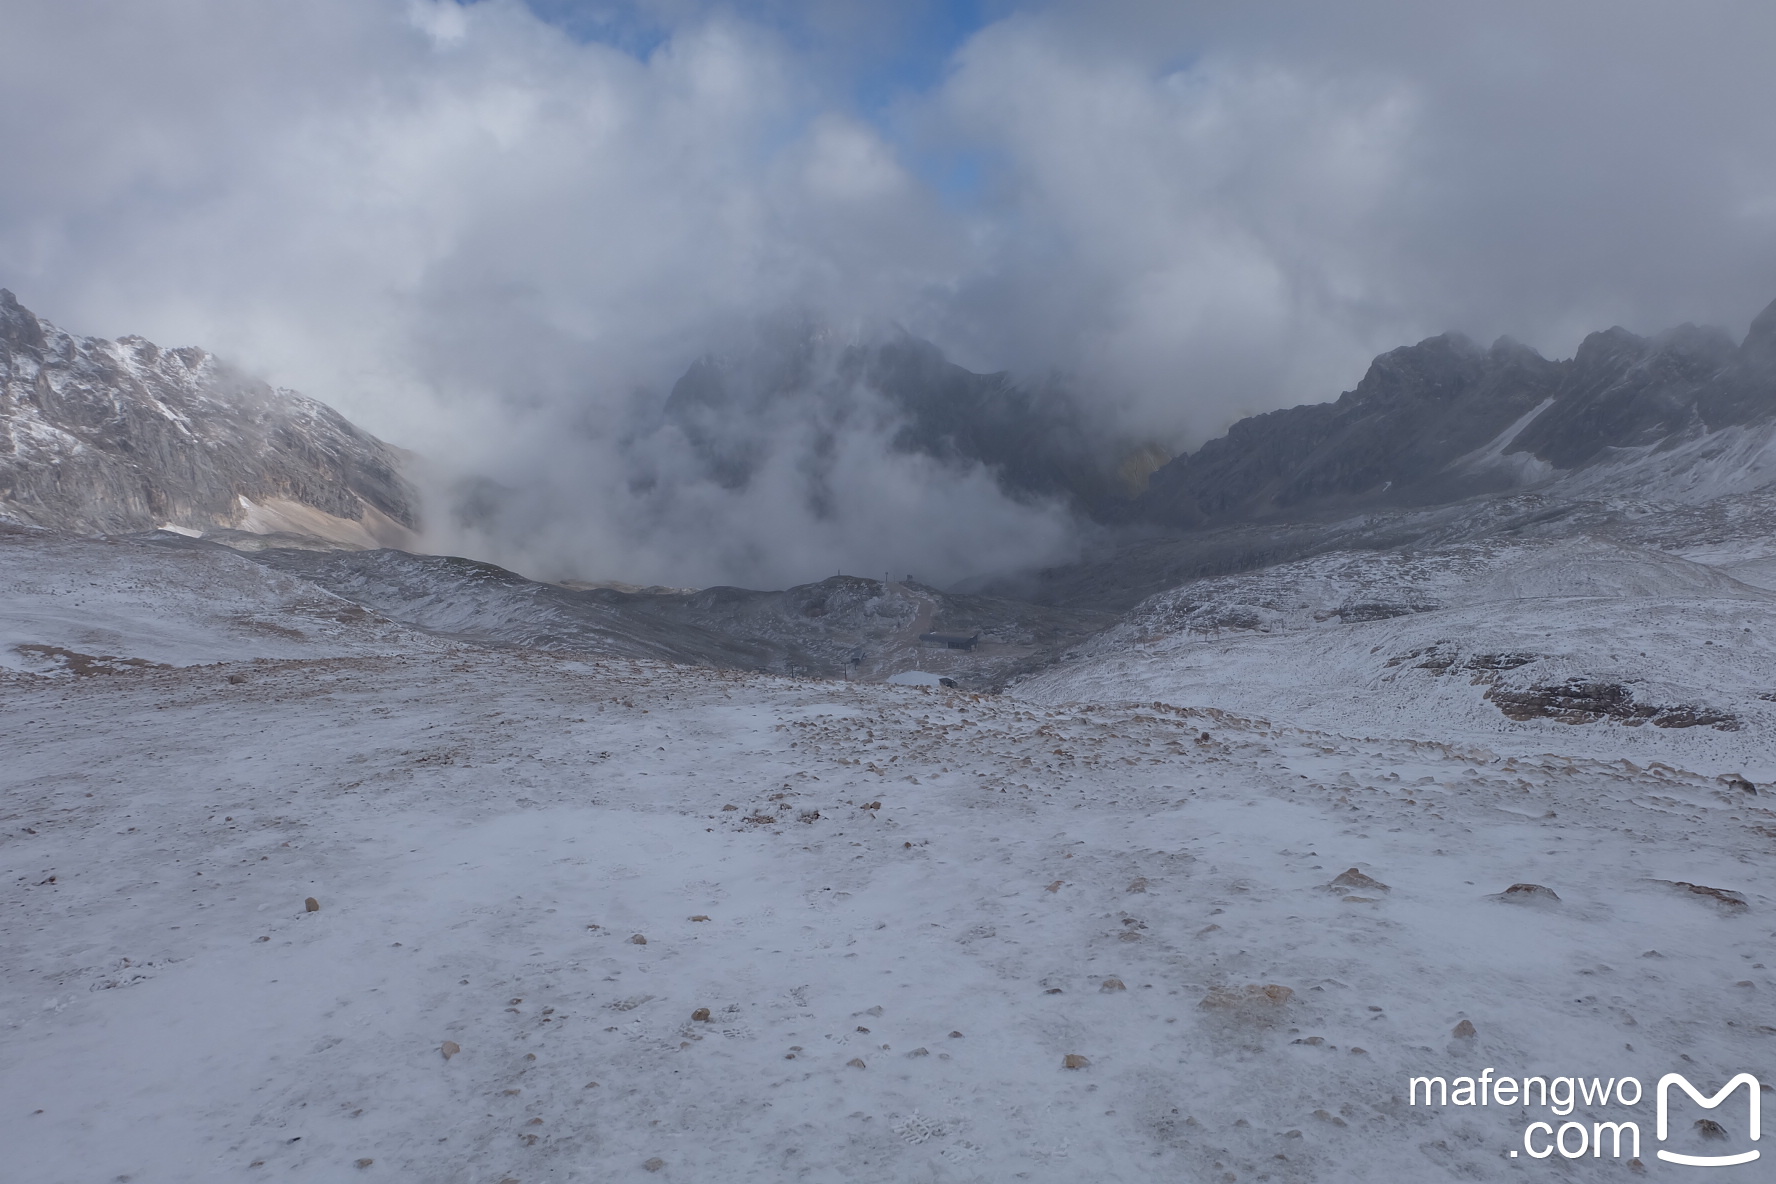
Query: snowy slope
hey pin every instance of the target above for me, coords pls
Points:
(68, 600)
(1448, 643)
(914, 914)
(878, 919)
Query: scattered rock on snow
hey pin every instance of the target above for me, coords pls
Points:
(1465, 1030)
(449, 1048)
(1355, 881)
(1252, 1003)
(856, 1063)
(1528, 894)
(654, 1164)
(1112, 985)
(1074, 1061)
(701, 1015)
(1138, 884)
(638, 940)
(311, 905)
(1728, 901)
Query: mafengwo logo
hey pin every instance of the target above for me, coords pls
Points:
(1706, 1142)
(1754, 1100)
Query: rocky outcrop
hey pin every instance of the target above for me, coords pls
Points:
(1585, 701)
(102, 436)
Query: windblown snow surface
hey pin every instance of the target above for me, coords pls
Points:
(611, 919)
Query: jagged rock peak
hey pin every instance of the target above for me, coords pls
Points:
(1759, 346)
(17, 324)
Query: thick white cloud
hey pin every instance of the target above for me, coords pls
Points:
(1242, 202)
(1188, 222)
(481, 238)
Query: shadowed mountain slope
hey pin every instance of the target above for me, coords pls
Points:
(1445, 419)
(842, 626)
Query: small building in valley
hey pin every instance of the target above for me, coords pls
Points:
(951, 641)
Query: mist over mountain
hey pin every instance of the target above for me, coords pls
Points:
(480, 229)
(1038, 442)
(801, 455)
(886, 457)
(807, 434)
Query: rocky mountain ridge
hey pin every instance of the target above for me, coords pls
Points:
(1444, 420)
(101, 436)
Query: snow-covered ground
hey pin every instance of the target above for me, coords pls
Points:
(1435, 644)
(68, 599)
(920, 904)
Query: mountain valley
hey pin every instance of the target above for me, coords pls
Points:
(1412, 734)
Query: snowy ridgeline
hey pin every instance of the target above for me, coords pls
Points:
(578, 914)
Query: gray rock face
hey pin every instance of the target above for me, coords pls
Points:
(1412, 430)
(104, 436)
